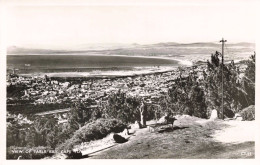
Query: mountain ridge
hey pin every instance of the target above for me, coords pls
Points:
(108, 49)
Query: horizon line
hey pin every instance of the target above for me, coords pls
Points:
(120, 43)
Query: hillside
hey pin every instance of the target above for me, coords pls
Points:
(191, 138)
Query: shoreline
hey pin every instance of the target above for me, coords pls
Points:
(105, 74)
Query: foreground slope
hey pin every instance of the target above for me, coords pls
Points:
(191, 138)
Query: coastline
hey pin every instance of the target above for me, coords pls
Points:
(105, 74)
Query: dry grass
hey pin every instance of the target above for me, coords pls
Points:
(191, 137)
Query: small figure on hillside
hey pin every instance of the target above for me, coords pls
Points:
(214, 114)
(143, 113)
(137, 124)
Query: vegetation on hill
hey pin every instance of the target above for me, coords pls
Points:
(238, 93)
(93, 131)
(123, 107)
(249, 80)
(197, 95)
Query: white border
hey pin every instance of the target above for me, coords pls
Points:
(5, 3)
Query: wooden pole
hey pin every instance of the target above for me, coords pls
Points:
(223, 42)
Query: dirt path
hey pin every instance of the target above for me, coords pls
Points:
(190, 138)
(236, 132)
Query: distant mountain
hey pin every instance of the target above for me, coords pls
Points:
(103, 46)
(167, 48)
(242, 44)
(166, 44)
(25, 51)
(200, 44)
(211, 44)
(73, 49)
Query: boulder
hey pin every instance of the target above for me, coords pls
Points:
(125, 132)
(162, 120)
(240, 118)
(119, 139)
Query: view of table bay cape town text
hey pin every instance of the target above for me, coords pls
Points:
(132, 101)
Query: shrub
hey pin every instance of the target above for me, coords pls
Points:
(186, 96)
(123, 107)
(248, 113)
(93, 131)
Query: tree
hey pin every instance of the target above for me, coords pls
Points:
(79, 114)
(197, 102)
(40, 130)
(249, 81)
(52, 138)
(186, 96)
(121, 106)
(238, 93)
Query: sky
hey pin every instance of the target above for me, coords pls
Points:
(68, 26)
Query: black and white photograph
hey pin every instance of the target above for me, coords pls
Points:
(129, 80)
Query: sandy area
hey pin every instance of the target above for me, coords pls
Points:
(98, 73)
(236, 132)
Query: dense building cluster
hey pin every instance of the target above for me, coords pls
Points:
(44, 90)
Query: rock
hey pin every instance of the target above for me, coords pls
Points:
(119, 139)
(162, 120)
(125, 132)
(178, 116)
(151, 129)
(238, 117)
(214, 115)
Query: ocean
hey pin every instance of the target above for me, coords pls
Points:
(86, 65)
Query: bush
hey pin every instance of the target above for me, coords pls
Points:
(14, 152)
(92, 131)
(186, 96)
(123, 107)
(248, 113)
